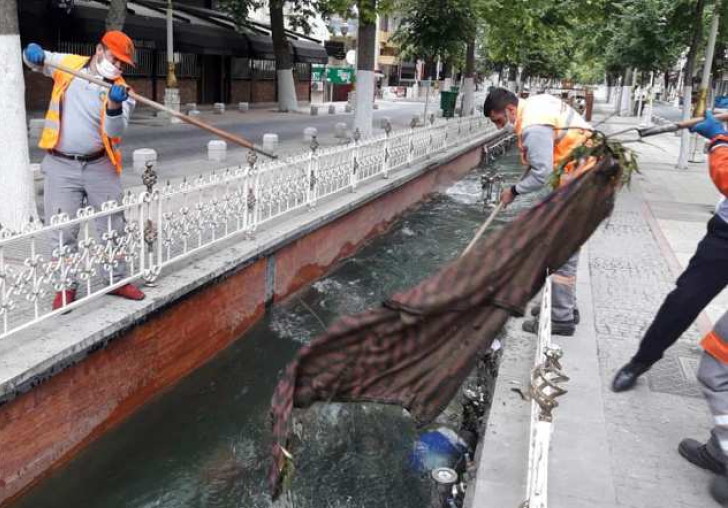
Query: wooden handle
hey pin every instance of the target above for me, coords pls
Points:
(238, 140)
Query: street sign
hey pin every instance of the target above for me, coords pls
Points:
(334, 75)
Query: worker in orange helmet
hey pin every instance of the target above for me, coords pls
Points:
(82, 135)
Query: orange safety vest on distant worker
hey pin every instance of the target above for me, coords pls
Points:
(570, 130)
(52, 127)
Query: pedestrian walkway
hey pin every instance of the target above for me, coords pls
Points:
(616, 450)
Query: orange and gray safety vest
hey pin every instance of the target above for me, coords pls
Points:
(570, 129)
(52, 128)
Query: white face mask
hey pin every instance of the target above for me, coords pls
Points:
(107, 70)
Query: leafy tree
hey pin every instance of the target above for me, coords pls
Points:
(301, 12)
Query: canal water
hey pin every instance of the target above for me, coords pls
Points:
(205, 442)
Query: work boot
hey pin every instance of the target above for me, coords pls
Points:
(565, 328)
(129, 291)
(627, 376)
(536, 311)
(719, 489)
(58, 300)
(699, 454)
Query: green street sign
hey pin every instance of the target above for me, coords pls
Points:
(340, 75)
(334, 75)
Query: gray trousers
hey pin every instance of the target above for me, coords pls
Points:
(563, 296)
(713, 378)
(70, 185)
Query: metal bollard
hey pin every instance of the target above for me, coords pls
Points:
(314, 110)
(340, 130)
(332, 109)
(243, 107)
(216, 150)
(270, 142)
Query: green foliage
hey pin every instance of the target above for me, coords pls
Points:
(432, 28)
(599, 146)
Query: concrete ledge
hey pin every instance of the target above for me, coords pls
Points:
(576, 479)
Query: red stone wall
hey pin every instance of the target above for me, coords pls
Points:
(264, 91)
(303, 91)
(239, 91)
(48, 425)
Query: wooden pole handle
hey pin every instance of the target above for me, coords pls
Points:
(238, 140)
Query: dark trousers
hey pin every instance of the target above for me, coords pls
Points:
(705, 277)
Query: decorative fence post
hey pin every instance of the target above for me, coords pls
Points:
(150, 231)
(354, 174)
(252, 194)
(385, 159)
(411, 138)
(312, 184)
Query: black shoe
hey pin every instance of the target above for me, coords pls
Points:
(627, 376)
(697, 453)
(719, 489)
(536, 311)
(557, 327)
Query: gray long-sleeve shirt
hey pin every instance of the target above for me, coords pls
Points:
(81, 113)
(538, 143)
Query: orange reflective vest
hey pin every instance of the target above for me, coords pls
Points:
(570, 129)
(52, 128)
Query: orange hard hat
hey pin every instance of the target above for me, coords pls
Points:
(120, 46)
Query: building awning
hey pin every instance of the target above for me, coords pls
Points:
(309, 52)
(261, 47)
(85, 23)
(205, 40)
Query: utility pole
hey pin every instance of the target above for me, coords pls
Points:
(709, 52)
(17, 206)
(171, 93)
(700, 106)
(682, 162)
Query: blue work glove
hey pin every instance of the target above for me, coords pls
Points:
(710, 127)
(118, 93)
(34, 54)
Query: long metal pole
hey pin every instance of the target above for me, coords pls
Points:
(160, 107)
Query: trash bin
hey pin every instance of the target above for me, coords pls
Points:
(447, 103)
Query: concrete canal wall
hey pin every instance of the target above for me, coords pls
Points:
(66, 381)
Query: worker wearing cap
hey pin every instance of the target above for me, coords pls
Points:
(82, 134)
(548, 131)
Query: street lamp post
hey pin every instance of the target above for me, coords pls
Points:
(171, 93)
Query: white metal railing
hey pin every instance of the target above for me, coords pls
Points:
(545, 376)
(165, 224)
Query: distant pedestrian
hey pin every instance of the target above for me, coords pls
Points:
(82, 134)
(705, 276)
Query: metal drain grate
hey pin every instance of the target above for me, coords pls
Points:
(675, 375)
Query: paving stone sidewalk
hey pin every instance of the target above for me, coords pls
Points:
(616, 450)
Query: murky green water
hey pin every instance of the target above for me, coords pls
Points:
(205, 442)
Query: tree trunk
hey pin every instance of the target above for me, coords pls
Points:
(365, 55)
(682, 162)
(116, 15)
(512, 77)
(469, 80)
(625, 97)
(17, 206)
(284, 60)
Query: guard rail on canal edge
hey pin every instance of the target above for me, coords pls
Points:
(226, 245)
